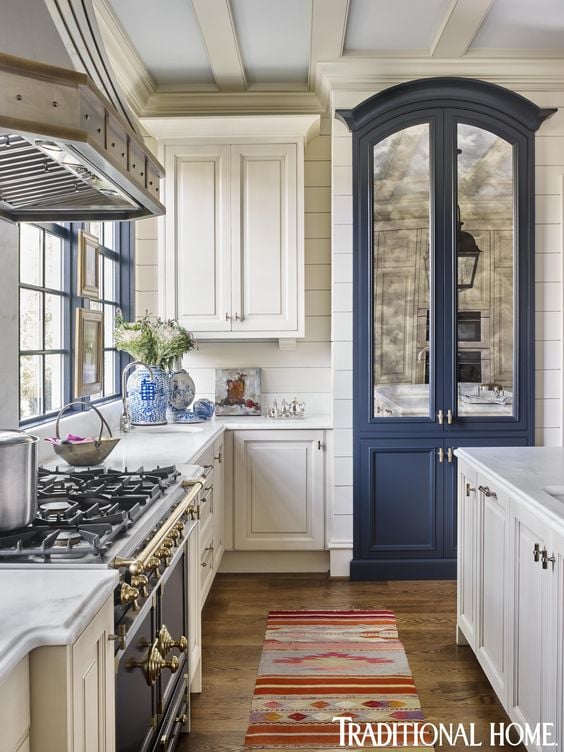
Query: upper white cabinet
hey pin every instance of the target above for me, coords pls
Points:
(234, 230)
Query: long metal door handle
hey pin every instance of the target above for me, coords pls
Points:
(450, 454)
(441, 417)
(441, 454)
(449, 417)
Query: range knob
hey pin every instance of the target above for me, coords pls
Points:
(164, 553)
(174, 535)
(152, 563)
(128, 594)
(141, 582)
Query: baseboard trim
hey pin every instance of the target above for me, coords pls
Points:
(241, 562)
(403, 569)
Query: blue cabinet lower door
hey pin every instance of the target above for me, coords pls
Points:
(405, 507)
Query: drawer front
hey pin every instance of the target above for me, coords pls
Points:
(206, 505)
(117, 142)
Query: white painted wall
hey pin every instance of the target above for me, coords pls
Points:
(549, 203)
(305, 372)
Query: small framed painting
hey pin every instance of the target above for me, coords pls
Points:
(237, 391)
(89, 352)
(88, 266)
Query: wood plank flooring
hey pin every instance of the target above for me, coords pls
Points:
(449, 680)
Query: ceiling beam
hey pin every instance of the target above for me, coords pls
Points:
(328, 27)
(220, 40)
(459, 27)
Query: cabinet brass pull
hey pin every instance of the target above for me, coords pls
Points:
(449, 417)
(486, 491)
(227, 317)
(218, 458)
(441, 454)
(469, 489)
(237, 318)
(441, 417)
(450, 454)
(536, 552)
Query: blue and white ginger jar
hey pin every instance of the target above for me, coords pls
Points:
(204, 408)
(148, 397)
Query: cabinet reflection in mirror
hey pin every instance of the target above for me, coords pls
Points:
(404, 261)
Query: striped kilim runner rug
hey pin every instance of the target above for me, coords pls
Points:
(317, 666)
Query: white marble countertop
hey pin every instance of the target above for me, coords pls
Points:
(525, 472)
(41, 606)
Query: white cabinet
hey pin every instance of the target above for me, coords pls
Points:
(80, 715)
(278, 490)
(492, 590)
(14, 709)
(511, 599)
(235, 239)
(532, 695)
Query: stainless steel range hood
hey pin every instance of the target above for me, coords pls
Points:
(66, 153)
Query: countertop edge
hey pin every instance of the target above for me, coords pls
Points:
(18, 645)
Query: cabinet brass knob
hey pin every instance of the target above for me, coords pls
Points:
(449, 417)
(469, 489)
(227, 317)
(536, 552)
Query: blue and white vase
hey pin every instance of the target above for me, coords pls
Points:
(148, 397)
(204, 408)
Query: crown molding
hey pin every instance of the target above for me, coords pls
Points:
(133, 78)
(375, 74)
(182, 104)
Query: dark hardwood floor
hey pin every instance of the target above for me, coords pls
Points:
(451, 685)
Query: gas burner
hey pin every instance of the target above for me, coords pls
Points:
(55, 511)
(67, 538)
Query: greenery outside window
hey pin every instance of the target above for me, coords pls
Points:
(48, 300)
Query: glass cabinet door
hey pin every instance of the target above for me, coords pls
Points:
(402, 271)
(485, 253)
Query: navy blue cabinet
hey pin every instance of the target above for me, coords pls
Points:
(443, 347)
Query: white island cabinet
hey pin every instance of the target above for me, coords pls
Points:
(511, 579)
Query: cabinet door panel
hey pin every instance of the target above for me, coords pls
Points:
(279, 490)
(531, 697)
(93, 686)
(492, 588)
(467, 559)
(264, 237)
(402, 488)
(202, 238)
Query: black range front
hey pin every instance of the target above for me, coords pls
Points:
(151, 682)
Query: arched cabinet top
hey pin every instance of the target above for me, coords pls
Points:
(451, 92)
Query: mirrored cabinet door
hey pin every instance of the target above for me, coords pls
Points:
(402, 270)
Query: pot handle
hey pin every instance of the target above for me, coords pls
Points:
(103, 421)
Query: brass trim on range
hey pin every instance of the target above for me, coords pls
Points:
(161, 544)
(154, 663)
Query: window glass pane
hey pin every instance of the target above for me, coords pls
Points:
(110, 386)
(95, 228)
(484, 246)
(110, 231)
(403, 317)
(53, 322)
(54, 374)
(109, 320)
(31, 320)
(30, 386)
(30, 255)
(54, 262)
(110, 282)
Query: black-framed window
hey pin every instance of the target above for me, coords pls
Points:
(48, 261)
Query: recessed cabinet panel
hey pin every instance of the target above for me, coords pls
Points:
(204, 268)
(404, 517)
(279, 490)
(264, 237)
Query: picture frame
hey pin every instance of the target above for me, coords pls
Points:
(89, 352)
(88, 283)
(238, 391)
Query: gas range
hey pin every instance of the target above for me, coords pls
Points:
(83, 513)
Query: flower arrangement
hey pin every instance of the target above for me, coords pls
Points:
(152, 340)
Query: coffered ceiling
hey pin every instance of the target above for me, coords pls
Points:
(215, 49)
